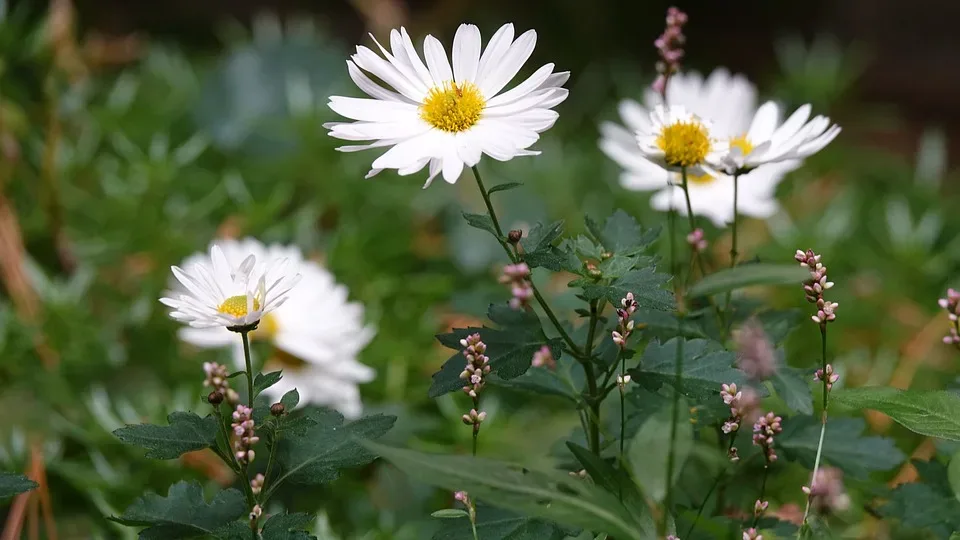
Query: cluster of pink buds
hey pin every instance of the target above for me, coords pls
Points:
(815, 286)
(517, 277)
(256, 485)
(463, 498)
(952, 305)
(670, 48)
(830, 376)
(627, 307)
(216, 379)
(760, 507)
(763, 432)
(246, 437)
(478, 366)
(743, 405)
(755, 354)
(826, 491)
(697, 240)
(544, 358)
(752, 534)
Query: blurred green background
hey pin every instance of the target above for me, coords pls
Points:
(132, 134)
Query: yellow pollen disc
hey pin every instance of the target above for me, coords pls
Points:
(452, 107)
(268, 328)
(684, 144)
(742, 143)
(237, 306)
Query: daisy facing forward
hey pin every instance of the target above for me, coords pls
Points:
(446, 117)
(729, 101)
(232, 294)
(315, 335)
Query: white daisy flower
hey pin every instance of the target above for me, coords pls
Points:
(677, 139)
(230, 293)
(769, 141)
(447, 117)
(730, 102)
(316, 334)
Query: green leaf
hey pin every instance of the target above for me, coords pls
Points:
(265, 380)
(646, 284)
(554, 259)
(497, 524)
(541, 236)
(607, 477)
(450, 513)
(584, 247)
(538, 381)
(13, 484)
(843, 445)
(317, 456)
(793, 387)
(953, 475)
(617, 265)
(779, 323)
(924, 508)
(183, 513)
(706, 366)
(510, 347)
(547, 494)
(287, 527)
(482, 222)
(650, 450)
(749, 275)
(622, 234)
(290, 400)
(935, 413)
(504, 187)
(187, 432)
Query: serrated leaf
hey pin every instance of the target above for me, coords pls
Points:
(843, 445)
(329, 445)
(498, 524)
(504, 187)
(793, 387)
(646, 284)
(187, 432)
(935, 413)
(287, 527)
(919, 506)
(554, 259)
(183, 513)
(706, 366)
(616, 266)
(622, 234)
(584, 247)
(650, 449)
(749, 275)
(13, 484)
(541, 236)
(290, 400)
(546, 494)
(481, 221)
(265, 380)
(509, 347)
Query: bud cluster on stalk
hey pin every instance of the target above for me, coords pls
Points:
(814, 287)
(478, 366)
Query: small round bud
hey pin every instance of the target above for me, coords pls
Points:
(514, 236)
(277, 409)
(215, 398)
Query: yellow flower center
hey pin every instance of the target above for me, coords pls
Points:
(453, 108)
(236, 306)
(684, 144)
(742, 143)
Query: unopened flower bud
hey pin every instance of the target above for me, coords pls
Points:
(215, 398)
(277, 409)
(514, 236)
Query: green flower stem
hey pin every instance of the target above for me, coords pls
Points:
(763, 492)
(246, 356)
(804, 526)
(733, 253)
(695, 255)
(515, 257)
(594, 401)
(251, 498)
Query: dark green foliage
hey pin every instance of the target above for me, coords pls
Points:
(844, 446)
(183, 513)
(13, 484)
(498, 524)
(187, 432)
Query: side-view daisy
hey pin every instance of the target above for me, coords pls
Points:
(316, 335)
(769, 141)
(729, 101)
(232, 294)
(448, 116)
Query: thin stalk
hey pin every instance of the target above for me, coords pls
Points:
(823, 427)
(733, 250)
(514, 257)
(763, 492)
(693, 227)
(246, 358)
(473, 520)
(594, 399)
(251, 498)
(623, 415)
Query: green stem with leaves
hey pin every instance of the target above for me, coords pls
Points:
(251, 498)
(804, 526)
(733, 252)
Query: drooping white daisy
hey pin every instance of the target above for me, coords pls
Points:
(447, 117)
(230, 293)
(769, 141)
(316, 334)
(729, 101)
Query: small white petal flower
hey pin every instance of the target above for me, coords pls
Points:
(676, 139)
(219, 292)
(769, 141)
(729, 101)
(447, 117)
(317, 334)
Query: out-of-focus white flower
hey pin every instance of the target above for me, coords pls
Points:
(729, 102)
(230, 293)
(447, 117)
(317, 334)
